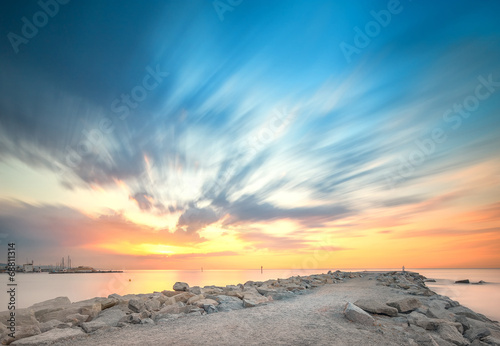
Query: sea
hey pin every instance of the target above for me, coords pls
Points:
(36, 287)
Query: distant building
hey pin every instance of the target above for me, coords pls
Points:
(28, 268)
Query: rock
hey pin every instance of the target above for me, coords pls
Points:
(490, 340)
(147, 321)
(181, 286)
(421, 337)
(136, 305)
(376, 308)
(77, 319)
(462, 310)
(112, 316)
(437, 309)
(405, 304)
(172, 309)
(462, 281)
(240, 295)
(451, 334)
(276, 294)
(429, 280)
(478, 343)
(424, 322)
(107, 303)
(228, 303)
(23, 331)
(196, 290)
(92, 326)
(50, 337)
(169, 293)
(463, 321)
(183, 297)
(46, 326)
(194, 299)
(91, 308)
(107, 318)
(51, 305)
(480, 333)
(152, 304)
(200, 303)
(253, 298)
(355, 314)
(23, 317)
(209, 308)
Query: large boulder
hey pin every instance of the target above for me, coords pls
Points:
(50, 337)
(22, 317)
(107, 303)
(23, 331)
(427, 323)
(463, 311)
(152, 304)
(376, 307)
(168, 293)
(422, 337)
(477, 333)
(451, 334)
(76, 319)
(181, 286)
(358, 315)
(195, 298)
(437, 309)
(196, 290)
(107, 318)
(200, 303)
(91, 308)
(26, 325)
(51, 305)
(183, 297)
(136, 305)
(279, 294)
(405, 304)
(92, 326)
(253, 298)
(177, 308)
(228, 303)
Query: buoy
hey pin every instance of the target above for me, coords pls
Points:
(129, 279)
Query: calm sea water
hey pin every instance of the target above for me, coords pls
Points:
(36, 287)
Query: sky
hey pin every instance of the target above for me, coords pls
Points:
(235, 134)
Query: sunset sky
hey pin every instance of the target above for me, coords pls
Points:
(232, 134)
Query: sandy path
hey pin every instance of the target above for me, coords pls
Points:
(312, 319)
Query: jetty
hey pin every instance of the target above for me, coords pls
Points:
(82, 270)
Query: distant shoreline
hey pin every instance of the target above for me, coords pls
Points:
(93, 272)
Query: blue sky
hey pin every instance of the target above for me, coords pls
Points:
(254, 116)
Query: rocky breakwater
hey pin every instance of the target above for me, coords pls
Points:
(58, 319)
(422, 316)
